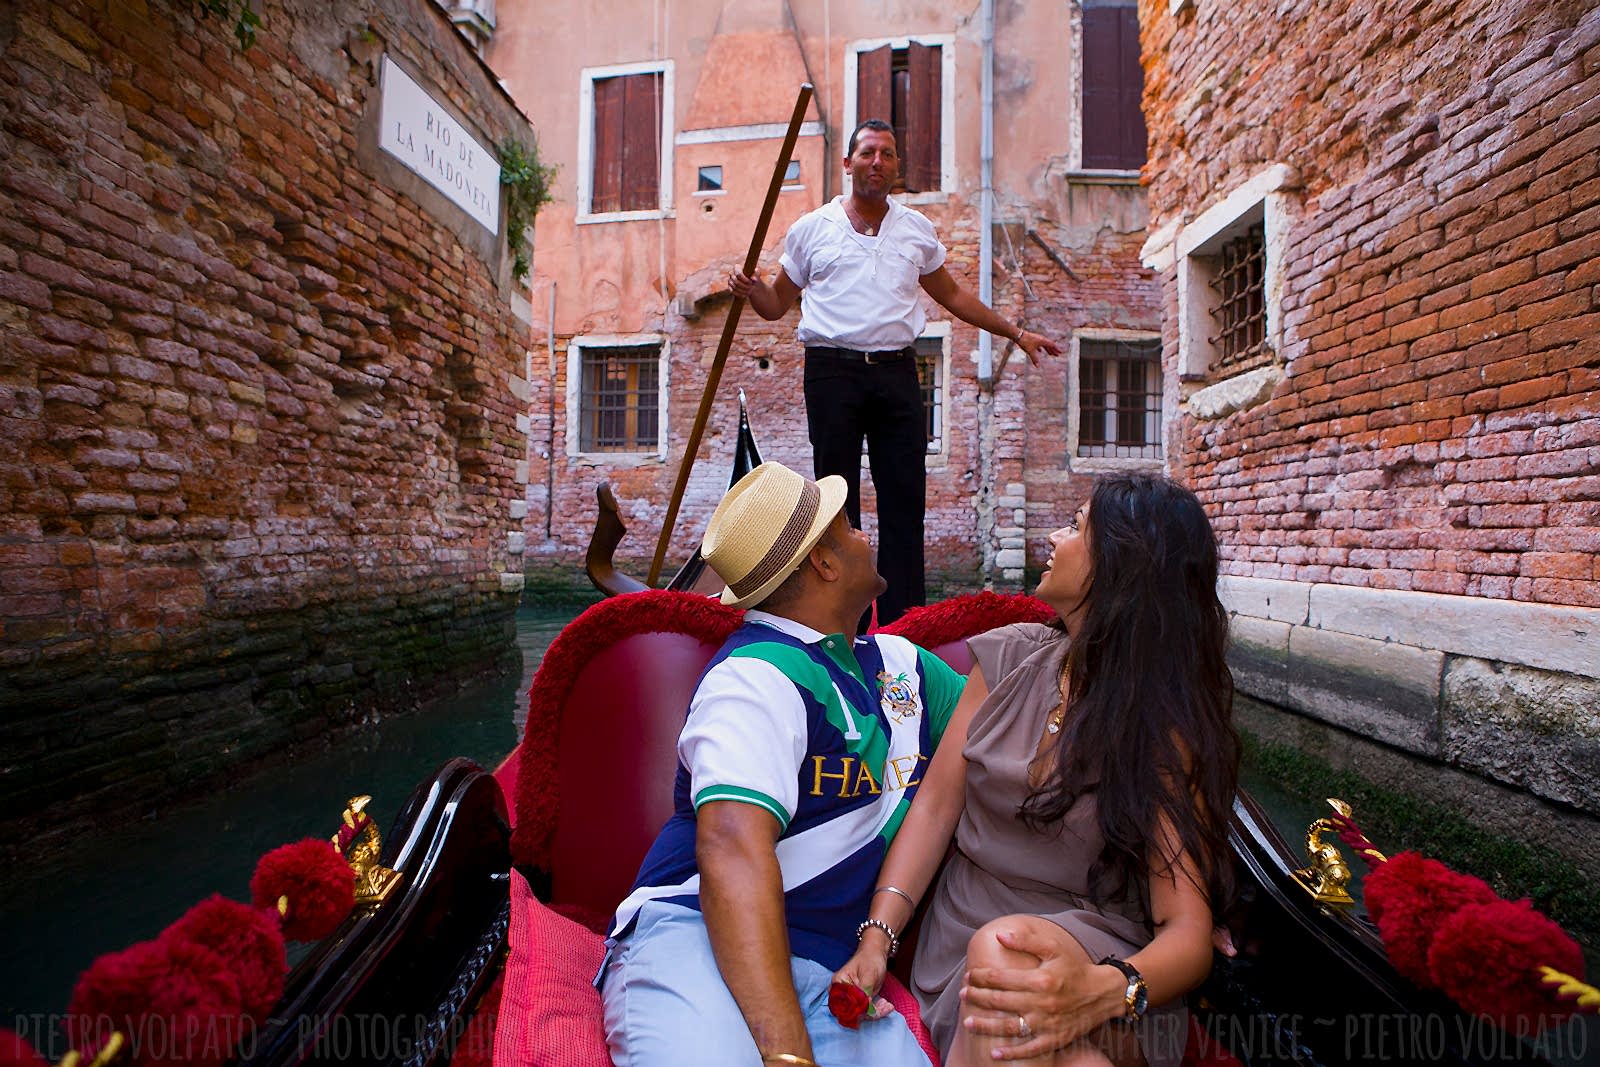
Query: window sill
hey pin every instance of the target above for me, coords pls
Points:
(617, 459)
(1113, 464)
(915, 199)
(1101, 177)
(623, 216)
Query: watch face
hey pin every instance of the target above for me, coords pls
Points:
(1141, 999)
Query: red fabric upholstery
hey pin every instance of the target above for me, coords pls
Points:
(617, 753)
(906, 1005)
(550, 1012)
(537, 798)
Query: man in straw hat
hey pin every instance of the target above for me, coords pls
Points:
(803, 747)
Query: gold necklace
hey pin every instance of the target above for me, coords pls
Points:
(1053, 724)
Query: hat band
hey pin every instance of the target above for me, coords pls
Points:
(783, 550)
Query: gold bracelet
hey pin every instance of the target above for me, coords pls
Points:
(788, 1057)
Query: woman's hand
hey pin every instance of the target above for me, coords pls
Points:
(1041, 1008)
(865, 970)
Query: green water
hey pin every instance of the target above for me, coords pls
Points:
(128, 883)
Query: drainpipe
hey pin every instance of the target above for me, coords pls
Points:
(987, 490)
(550, 414)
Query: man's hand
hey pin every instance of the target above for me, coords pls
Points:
(1063, 998)
(771, 302)
(1033, 343)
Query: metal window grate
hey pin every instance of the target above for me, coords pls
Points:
(1119, 398)
(617, 408)
(1240, 281)
(930, 372)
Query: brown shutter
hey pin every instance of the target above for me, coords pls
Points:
(1130, 86)
(1101, 62)
(920, 155)
(606, 193)
(641, 149)
(873, 77)
(1113, 83)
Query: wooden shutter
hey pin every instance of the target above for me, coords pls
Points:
(1113, 84)
(874, 73)
(641, 151)
(1130, 87)
(606, 191)
(920, 155)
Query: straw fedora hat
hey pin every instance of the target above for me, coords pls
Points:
(765, 526)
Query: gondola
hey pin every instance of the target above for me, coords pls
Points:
(444, 968)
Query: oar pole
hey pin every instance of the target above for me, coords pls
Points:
(729, 328)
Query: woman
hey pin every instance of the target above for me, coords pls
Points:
(1089, 805)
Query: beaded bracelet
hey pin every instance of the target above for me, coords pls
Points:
(894, 938)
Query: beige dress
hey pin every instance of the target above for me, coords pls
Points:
(1002, 867)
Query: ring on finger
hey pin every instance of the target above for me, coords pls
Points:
(1023, 1029)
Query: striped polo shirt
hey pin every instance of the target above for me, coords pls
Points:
(830, 737)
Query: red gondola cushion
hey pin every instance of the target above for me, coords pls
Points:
(550, 1011)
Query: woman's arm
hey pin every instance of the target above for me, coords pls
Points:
(920, 844)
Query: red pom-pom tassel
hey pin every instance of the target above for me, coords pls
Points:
(1486, 957)
(248, 939)
(16, 1052)
(320, 886)
(1409, 897)
(176, 1002)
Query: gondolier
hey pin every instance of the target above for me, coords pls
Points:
(861, 260)
(803, 747)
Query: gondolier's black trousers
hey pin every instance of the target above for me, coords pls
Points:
(876, 396)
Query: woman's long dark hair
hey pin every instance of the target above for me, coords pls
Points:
(1149, 724)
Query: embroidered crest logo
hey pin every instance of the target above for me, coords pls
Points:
(899, 696)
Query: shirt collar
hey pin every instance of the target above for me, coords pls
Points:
(798, 630)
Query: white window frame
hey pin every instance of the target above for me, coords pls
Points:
(947, 105)
(575, 350)
(1262, 199)
(939, 447)
(588, 76)
(1107, 464)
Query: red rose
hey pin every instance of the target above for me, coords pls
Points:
(849, 1004)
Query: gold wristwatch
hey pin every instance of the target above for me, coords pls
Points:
(1138, 996)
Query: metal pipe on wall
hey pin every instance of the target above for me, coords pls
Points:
(986, 196)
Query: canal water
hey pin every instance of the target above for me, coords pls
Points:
(127, 884)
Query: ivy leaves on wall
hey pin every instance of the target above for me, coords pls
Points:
(527, 182)
(239, 12)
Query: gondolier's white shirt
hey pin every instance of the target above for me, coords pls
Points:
(861, 292)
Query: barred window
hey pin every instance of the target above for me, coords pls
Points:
(618, 400)
(930, 372)
(1119, 398)
(1241, 313)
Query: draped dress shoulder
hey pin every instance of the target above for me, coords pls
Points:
(1001, 866)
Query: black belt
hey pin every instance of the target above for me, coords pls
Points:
(886, 355)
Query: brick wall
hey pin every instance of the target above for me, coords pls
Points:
(1438, 426)
(257, 437)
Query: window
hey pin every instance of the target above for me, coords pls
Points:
(908, 84)
(1229, 261)
(1113, 82)
(1241, 312)
(930, 372)
(624, 144)
(619, 395)
(1119, 398)
(791, 175)
(709, 180)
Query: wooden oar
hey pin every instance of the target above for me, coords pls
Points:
(728, 329)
